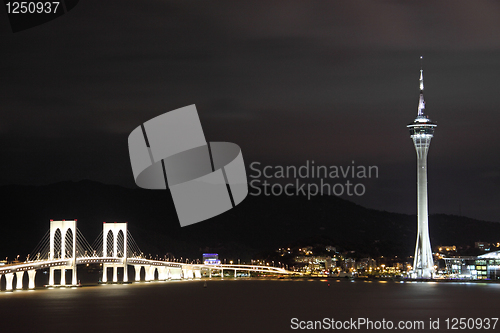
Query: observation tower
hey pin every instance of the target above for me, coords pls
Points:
(422, 131)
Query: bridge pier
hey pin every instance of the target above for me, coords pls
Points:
(165, 273)
(31, 275)
(175, 273)
(235, 273)
(104, 273)
(8, 281)
(63, 277)
(51, 276)
(125, 269)
(19, 278)
(162, 273)
(185, 273)
(114, 277)
(137, 272)
(197, 273)
(150, 273)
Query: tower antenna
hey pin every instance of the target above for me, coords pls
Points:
(421, 102)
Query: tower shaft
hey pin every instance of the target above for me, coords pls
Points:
(423, 263)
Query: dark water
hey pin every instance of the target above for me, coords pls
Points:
(241, 305)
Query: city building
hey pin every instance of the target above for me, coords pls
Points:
(447, 248)
(483, 267)
(483, 246)
(211, 259)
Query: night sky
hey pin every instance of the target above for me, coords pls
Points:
(288, 81)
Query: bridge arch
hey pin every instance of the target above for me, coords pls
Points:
(142, 273)
(120, 244)
(59, 239)
(109, 243)
(114, 245)
(68, 245)
(114, 239)
(55, 252)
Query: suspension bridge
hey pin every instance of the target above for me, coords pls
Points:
(64, 247)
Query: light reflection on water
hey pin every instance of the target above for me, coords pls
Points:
(238, 306)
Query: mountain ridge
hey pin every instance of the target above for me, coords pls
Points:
(259, 223)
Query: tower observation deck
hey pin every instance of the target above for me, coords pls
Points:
(422, 131)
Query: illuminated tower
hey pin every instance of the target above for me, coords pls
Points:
(422, 130)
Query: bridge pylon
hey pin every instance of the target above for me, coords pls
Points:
(63, 246)
(114, 245)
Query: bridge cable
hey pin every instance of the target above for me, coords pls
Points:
(97, 245)
(132, 247)
(42, 248)
(83, 247)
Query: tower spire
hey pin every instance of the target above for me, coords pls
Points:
(421, 102)
(421, 74)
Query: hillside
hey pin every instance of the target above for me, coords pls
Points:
(257, 224)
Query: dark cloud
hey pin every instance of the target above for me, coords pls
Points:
(288, 81)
